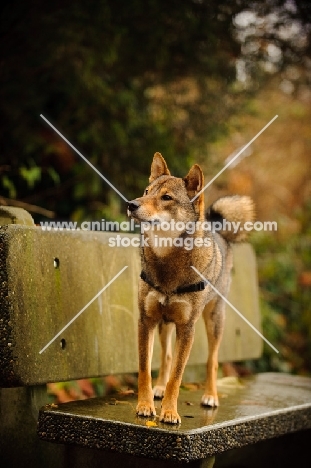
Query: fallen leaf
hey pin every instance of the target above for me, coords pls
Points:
(151, 424)
(230, 381)
(191, 386)
(126, 392)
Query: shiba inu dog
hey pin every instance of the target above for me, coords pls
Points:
(177, 235)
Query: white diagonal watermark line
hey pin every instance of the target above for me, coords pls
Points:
(236, 310)
(235, 157)
(84, 159)
(82, 310)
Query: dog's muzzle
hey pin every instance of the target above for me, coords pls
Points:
(132, 207)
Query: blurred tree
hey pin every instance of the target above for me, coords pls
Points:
(277, 174)
(122, 80)
(285, 280)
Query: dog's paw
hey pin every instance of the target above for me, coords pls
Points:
(158, 391)
(170, 416)
(209, 400)
(144, 408)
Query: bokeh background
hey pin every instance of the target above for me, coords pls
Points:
(193, 79)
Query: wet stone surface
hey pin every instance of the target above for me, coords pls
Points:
(263, 407)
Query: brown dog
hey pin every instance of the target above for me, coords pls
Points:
(175, 238)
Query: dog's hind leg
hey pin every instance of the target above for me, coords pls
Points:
(165, 335)
(213, 315)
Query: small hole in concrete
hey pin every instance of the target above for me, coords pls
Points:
(56, 262)
(238, 332)
(63, 343)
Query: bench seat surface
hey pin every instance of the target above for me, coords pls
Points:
(262, 407)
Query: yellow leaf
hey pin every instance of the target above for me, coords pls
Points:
(151, 424)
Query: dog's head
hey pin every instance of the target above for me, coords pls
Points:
(168, 197)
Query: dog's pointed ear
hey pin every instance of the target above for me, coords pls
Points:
(158, 167)
(194, 181)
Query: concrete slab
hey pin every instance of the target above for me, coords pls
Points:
(13, 215)
(48, 277)
(263, 407)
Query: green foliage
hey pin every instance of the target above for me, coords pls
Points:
(120, 80)
(31, 174)
(286, 298)
(89, 68)
(8, 185)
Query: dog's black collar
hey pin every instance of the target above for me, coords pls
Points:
(185, 289)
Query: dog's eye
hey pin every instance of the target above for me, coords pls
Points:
(166, 197)
(146, 191)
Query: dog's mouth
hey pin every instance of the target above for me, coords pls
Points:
(154, 221)
(130, 214)
(133, 212)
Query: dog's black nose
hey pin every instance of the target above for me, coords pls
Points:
(133, 205)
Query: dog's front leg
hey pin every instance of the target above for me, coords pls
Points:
(184, 341)
(146, 328)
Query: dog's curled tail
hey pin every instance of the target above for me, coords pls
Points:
(232, 217)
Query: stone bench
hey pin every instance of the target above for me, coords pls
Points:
(49, 331)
